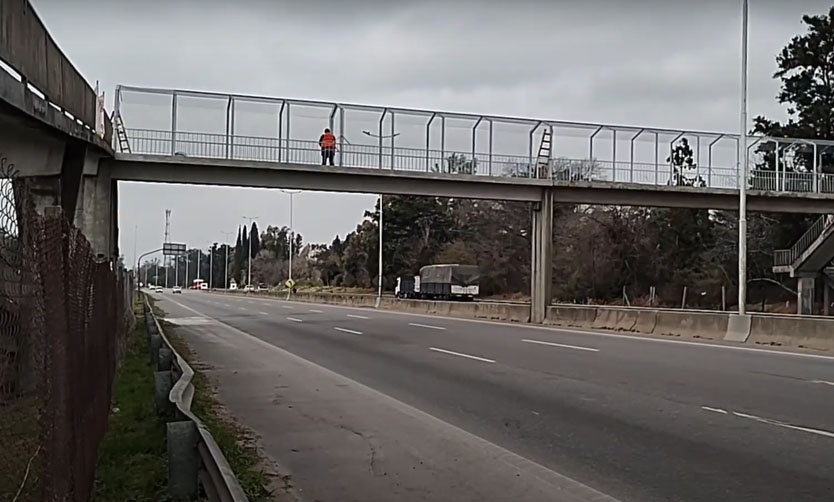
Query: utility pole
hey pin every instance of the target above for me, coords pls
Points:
(227, 235)
(166, 260)
(211, 265)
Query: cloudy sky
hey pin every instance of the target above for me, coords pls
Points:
(659, 63)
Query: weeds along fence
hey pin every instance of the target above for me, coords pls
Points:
(64, 315)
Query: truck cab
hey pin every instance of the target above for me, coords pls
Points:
(407, 287)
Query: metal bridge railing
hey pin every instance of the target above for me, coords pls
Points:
(223, 146)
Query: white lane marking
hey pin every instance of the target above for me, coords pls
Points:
(716, 410)
(777, 423)
(511, 460)
(226, 305)
(345, 330)
(358, 316)
(287, 306)
(823, 382)
(580, 331)
(427, 326)
(462, 355)
(264, 313)
(293, 319)
(242, 308)
(565, 346)
(317, 311)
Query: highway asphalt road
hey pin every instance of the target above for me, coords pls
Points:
(367, 405)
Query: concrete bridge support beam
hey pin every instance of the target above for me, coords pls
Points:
(542, 260)
(805, 296)
(96, 212)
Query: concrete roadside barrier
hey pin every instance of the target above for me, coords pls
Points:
(792, 331)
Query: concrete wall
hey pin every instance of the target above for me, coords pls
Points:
(788, 331)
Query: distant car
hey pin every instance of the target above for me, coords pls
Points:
(176, 289)
(249, 287)
(262, 288)
(158, 289)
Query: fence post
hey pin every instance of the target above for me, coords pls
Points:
(183, 459)
(683, 299)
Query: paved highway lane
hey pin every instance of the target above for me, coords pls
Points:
(637, 419)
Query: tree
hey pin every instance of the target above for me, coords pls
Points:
(238, 257)
(256, 242)
(243, 265)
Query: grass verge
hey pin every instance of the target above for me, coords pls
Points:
(235, 441)
(131, 463)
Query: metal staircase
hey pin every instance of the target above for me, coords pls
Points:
(121, 134)
(813, 252)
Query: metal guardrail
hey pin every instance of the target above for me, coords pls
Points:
(787, 257)
(193, 455)
(28, 48)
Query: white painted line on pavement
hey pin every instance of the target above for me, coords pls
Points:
(317, 311)
(716, 410)
(264, 313)
(293, 319)
(358, 316)
(462, 355)
(507, 458)
(823, 382)
(242, 308)
(345, 330)
(428, 326)
(565, 346)
(226, 305)
(287, 306)
(777, 423)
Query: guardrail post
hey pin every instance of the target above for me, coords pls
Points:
(183, 459)
(166, 357)
(162, 383)
(155, 345)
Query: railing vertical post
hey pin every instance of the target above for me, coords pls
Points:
(779, 180)
(428, 141)
(631, 155)
(379, 136)
(656, 158)
(183, 459)
(474, 134)
(442, 139)
(614, 155)
(591, 146)
(552, 151)
(289, 133)
(531, 168)
(816, 171)
(709, 158)
(228, 124)
(341, 136)
(281, 128)
(393, 138)
(490, 146)
(173, 123)
(698, 158)
(232, 130)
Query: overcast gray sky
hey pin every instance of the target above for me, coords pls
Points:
(670, 63)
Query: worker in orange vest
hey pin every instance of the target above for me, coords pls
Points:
(327, 142)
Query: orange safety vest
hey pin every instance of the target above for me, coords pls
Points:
(328, 140)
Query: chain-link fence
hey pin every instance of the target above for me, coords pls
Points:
(62, 331)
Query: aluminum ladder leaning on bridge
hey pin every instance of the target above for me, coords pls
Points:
(543, 158)
(118, 125)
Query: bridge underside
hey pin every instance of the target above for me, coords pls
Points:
(259, 174)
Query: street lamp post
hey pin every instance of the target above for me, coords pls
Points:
(249, 260)
(379, 268)
(742, 171)
(227, 235)
(211, 265)
(292, 235)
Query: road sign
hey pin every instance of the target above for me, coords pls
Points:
(173, 249)
(290, 283)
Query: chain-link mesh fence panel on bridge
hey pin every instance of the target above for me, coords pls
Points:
(62, 332)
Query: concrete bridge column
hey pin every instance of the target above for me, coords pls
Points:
(542, 261)
(805, 296)
(96, 213)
